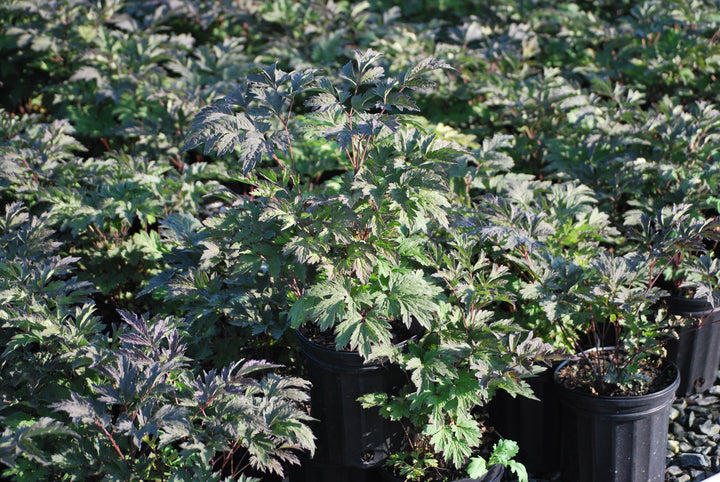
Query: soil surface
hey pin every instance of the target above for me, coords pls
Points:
(595, 374)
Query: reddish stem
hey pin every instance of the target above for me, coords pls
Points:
(112, 440)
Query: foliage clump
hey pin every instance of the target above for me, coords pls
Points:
(83, 400)
(239, 169)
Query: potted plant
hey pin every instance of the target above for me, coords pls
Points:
(544, 233)
(355, 237)
(680, 241)
(598, 300)
(548, 241)
(469, 354)
(617, 394)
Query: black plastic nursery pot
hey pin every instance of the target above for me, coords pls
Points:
(348, 435)
(696, 351)
(533, 424)
(494, 474)
(312, 471)
(615, 439)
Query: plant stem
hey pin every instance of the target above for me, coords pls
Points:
(578, 348)
(112, 440)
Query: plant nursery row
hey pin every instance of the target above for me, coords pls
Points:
(372, 241)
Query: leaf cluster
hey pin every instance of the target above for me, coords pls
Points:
(81, 400)
(355, 242)
(458, 365)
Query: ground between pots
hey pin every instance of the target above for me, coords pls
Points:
(694, 437)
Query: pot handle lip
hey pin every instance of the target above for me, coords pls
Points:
(683, 305)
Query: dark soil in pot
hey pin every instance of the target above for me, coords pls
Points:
(653, 374)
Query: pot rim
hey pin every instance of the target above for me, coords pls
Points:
(343, 357)
(494, 472)
(686, 306)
